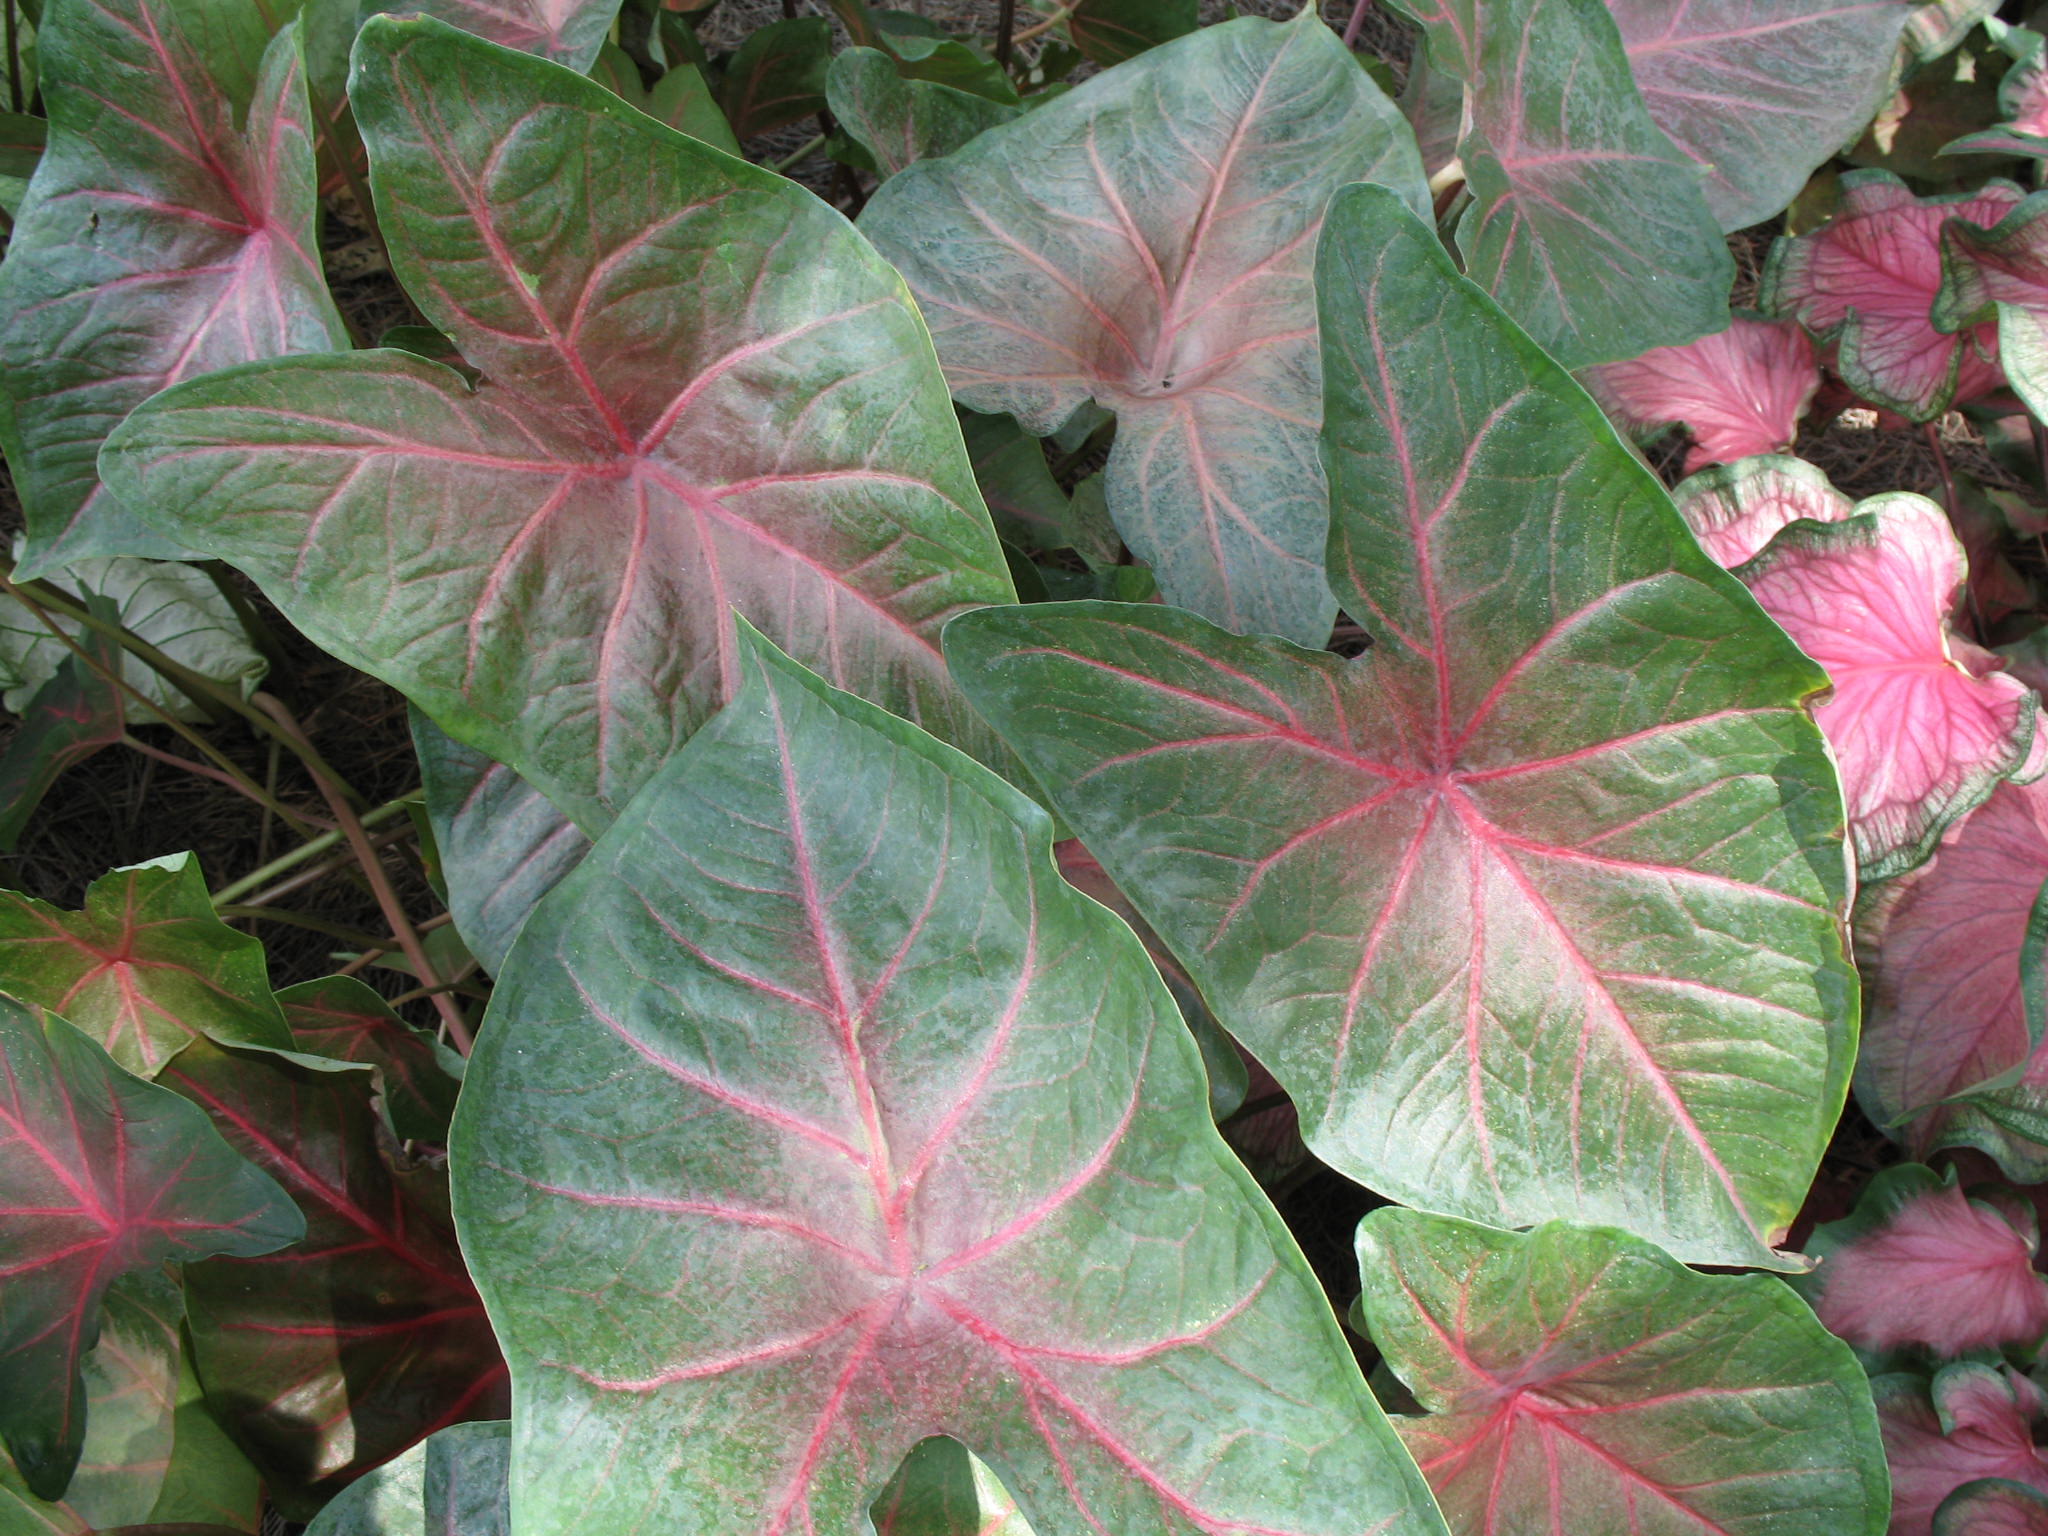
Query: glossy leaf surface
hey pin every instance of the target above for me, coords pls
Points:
(338, 1353)
(1740, 392)
(1578, 1382)
(1921, 737)
(1971, 1422)
(1532, 908)
(1734, 510)
(703, 391)
(566, 32)
(339, 1017)
(450, 1484)
(1760, 92)
(144, 968)
(1586, 224)
(898, 120)
(169, 231)
(101, 1174)
(1145, 241)
(828, 1023)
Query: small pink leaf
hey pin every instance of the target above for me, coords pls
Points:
(1920, 740)
(1974, 1422)
(1734, 510)
(2000, 274)
(1993, 1507)
(1868, 279)
(1740, 391)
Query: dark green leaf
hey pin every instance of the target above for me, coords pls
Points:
(778, 76)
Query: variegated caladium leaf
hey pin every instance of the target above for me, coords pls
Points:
(453, 1483)
(1145, 242)
(1576, 1381)
(1921, 724)
(1993, 1507)
(1586, 223)
(566, 32)
(825, 1239)
(702, 392)
(1740, 391)
(2000, 275)
(340, 1018)
(1734, 510)
(1533, 908)
(2022, 99)
(168, 231)
(1760, 92)
(1970, 1422)
(337, 1354)
(145, 967)
(1952, 1055)
(898, 120)
(1868, 279)
(101, 1174)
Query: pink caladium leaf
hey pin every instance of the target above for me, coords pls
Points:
(2000, 274)
(453, 1483)
(145, 968)
(1993, 1507)
(1586, 223)
(340, 1018)
(337, 1354)
(824, 1027)
(1868, 280)
(1535, 902)
(1740, 391)
(566, 32)
(1952, 1049)
(1972, 1421)
(1575, 1381)
(168, 231)
(1145, 242)
(101, 1173)
(1760, 92)
(578, 528)
(1921, 737)
(2022, 98)
(1734, 510)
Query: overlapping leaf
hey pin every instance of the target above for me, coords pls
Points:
(1533, 907)
(1972, 1422)
(2001, 274)
(1577, 1382)
(339, 1017)
(1111, 31)
(101, 1174)
(1993, 1507)
(778, 75)
(1586, 223)
(943, 1489)
(1741, 391)
(1734, 510)
(2022, 98)
(702, 392)
(453, 1483)
(898, 120)
(72, 716)
(918, 1147)
(1760, 92)
(567, 32)
(1145, 241)
(338, 1353)
(169, 231)
(145, 967)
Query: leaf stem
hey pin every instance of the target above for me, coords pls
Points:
(1452, 172)
(352, 937)
(13, 59)
(312, 848)
(1038, 29)
(1357, 23)
(1006, 23)
(803, 152)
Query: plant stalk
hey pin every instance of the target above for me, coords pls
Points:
(311, 849)
(1357, 23)
(1006, 24)
(13, 59)
(1038, 29)
(803, 152)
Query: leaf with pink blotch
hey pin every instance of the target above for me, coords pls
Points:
(1972, 1421)
(1996, 1506)
(1921, 737)
(1868, 280)
(1740, 391)
(1734, 510)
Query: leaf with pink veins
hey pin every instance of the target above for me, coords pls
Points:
(2000, 274)
(1739, 392)
(566, 32)
(169, 231)
(1868, 280)
(818, 1115)
(2022, 99)
(1734, 510)
(1922, 738)
(1576, 1381)
(1993, 1507)
(1972, 1421)
(1145, 242)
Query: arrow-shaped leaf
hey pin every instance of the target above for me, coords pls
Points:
(854, 1124)
(1145, 242)
(101, 1173)
(703, 391)
(1534, 907)
(168, 231)
(450, 1484)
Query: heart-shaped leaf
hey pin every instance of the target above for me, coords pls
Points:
(578, 528)
(1760, 92)
(1533, 907)
(72, 716)
(1973, 1421)
(1734, 510)
(1993, 1507)
(1586, 224)
(144, 968)
(1868, 280)
(823, 1239)
(899, 121)
(1921, 737)
(101, 1174)
(450, 1484)
(1577, 1382)
(566, 32)
(339, 1017)
(1740, 391)
(169, 231)
(335, 1356)
(1145, 242)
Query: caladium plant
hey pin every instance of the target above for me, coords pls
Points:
(1734, 510)
(1970, 1423)
(1740, 391)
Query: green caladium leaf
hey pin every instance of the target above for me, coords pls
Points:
(169, 231)
(1110, 31)
(1029, 508)
(1586, 223)
(74, 715)
(101, 1174)
(702, 391)
(898, 120)
(1578, 1382)
(1145, 242)
(340, 1018)
(778, 75)
(1535, 907)
(145, 967)
(823, 1027)
(943, 1489)
(566, 32)
(451, 1484)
